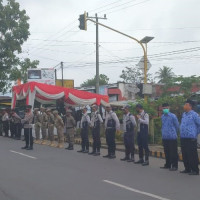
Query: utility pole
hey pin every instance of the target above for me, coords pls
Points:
(97, 48)
(61, 65)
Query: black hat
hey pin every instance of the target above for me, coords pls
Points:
(139, 106)
(29, 106)
(165, 105)
(192, 103)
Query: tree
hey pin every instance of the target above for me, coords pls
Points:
(14, 31)
(165, 74)
(103, 80)
(133, 75)
(20, 72)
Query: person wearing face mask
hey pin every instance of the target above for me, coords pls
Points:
(142, 136)
(170, 126)
(189, 129)
(27, 122)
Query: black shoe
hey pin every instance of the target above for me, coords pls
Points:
(97, 154)
(145, 163)
(107, 156)
(70, 148)
(139, 161)
(131, 160)
(81, 151)
(185, 172)
(165, 167)
(92, 153)
(86, 151)
(29, 148)
(113, 156)
(173, 169)
(193, 173)
(24, 147)
(124, 159)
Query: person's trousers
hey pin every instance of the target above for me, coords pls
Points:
(70, 136)
(142, 139)
(110, 140)
(37, 131)
(6, 128)
(28, 137)
(171, 153)
(96, 139)
(84, 139)
(51, 132)
(190, 155)
(44, 132)
(18, 130)
(12, 130)
(129, 143)
(60, 132)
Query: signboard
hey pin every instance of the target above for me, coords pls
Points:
(103, 90)
(66, 83)
(46, 76)
(147, 89)
(141, 64)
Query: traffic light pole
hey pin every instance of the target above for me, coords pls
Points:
(97, 48)
(143, 48)
(61, 65)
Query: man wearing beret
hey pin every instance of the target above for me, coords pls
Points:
(189, 129)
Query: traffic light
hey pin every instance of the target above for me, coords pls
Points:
(83, 22)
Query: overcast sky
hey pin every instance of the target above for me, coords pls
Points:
(55, 35)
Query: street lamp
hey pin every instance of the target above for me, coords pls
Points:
(145, 40)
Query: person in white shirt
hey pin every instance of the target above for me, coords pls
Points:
(142, 136)
(111, 125)
(129, 125)
(85, 123)
(96, 122)
(5, 121)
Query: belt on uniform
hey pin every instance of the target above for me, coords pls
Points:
(69, 127)
(110, 128)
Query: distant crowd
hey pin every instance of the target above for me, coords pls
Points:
(46, 120)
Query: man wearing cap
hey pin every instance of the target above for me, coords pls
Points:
(44, 125)
(96, 122)
(189, 129)
(85, 123)
(27, 122)
(5, 121)
(111, 125)
(142, 136)
(37, 122)
(129, 124)
(50, 125)
(16, 119)
(70, 125)
(170, 127)
(60, 129)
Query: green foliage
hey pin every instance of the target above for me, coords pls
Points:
(103, 80)
(21, 71)
(157, 131)
(133, 75)
(165, 74)
(14, 31)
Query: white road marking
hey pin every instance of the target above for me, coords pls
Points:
(136, 191)
(23, 154)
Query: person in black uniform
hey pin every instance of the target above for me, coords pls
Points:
(142, 136)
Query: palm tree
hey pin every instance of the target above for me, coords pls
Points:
(164, 74)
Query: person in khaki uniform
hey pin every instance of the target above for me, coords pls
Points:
(59, 124)
(50, 125)
(70, 125)
(37, 121)
(44, 125)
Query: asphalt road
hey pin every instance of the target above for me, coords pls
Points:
(57, 174)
